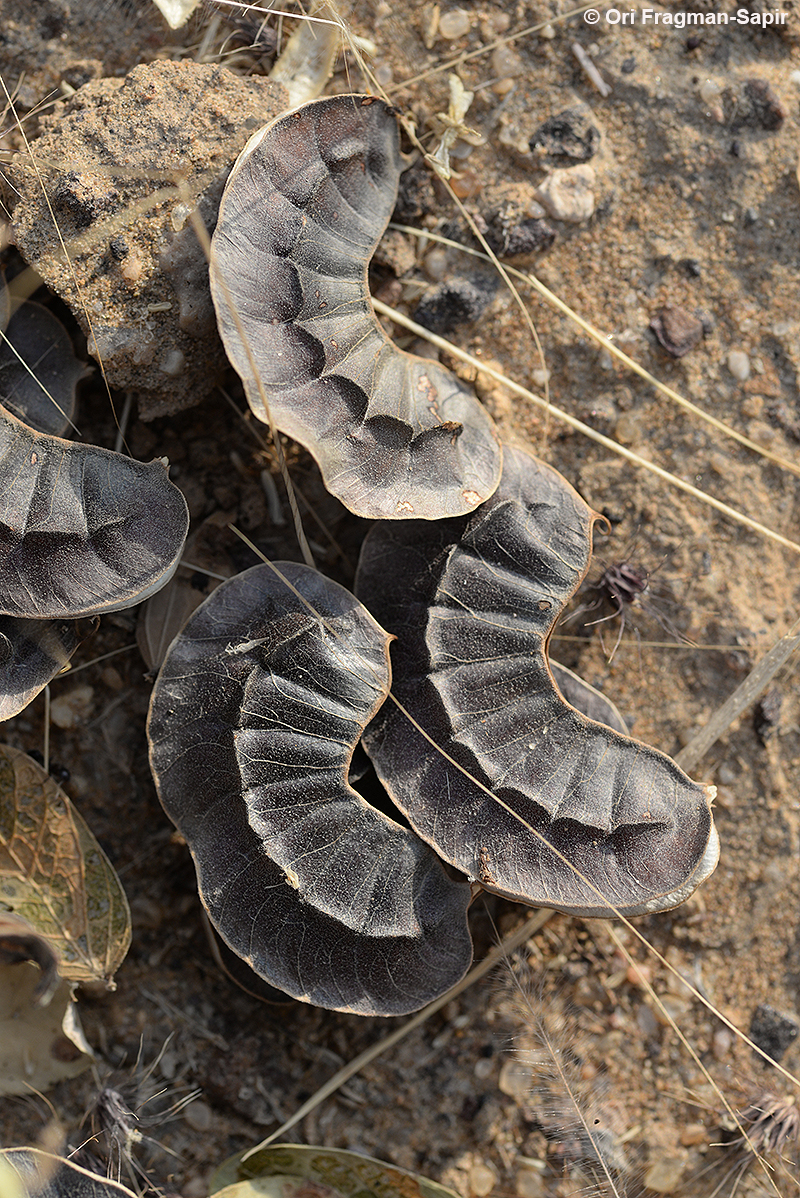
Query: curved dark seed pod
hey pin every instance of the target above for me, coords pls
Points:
(253, 721)
(82, 530)
(39, 389)
(520, 773)
(304, 207)
(32, 652)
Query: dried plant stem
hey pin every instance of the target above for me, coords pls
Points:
(579, 426)
(499, 953)
(745, 694)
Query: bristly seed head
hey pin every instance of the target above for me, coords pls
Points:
(771, 1122)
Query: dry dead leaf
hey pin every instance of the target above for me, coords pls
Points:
(54, 873)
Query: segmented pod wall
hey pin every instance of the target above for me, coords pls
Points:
(306, 203)
(83, 530)
(507, 781)
(253, 721)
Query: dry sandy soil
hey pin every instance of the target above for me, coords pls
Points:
(696, 205)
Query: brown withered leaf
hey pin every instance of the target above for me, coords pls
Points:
(54, 873)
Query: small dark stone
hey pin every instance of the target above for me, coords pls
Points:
(415, 197)
(458, 301)
(759, 107)
(750, 216)
(693, 268)
(628, 66)
(693, 42)
(735, 149)
(767, 715)
(119, 248)
(772, 1031)
(569, 134)
(508, 236)
(79, 198)
(677, 330)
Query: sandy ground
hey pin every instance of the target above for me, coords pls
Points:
(696, 205)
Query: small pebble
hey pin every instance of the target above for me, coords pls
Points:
(772, 1031)
(483, 1068)
(454, 24)
(494, 24)
(506, 63)
(529, 1184)
(510, 237)
(664, 1173)
(71, 709)
(482, 1180)
(739, 365)
(568, 134)
(768, 714)
(467, 184)
(199, 1115)
(515, 1080)
(721, 1043)
(547, 32)
(693, 1133)
(710, 91)
(759, 107)
(568, 194)
(647, 1022)
(677, 330)
(457, 301)
(628, 430)
(435, 264)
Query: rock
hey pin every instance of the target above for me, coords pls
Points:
(396, 252)
(569, 134)
(136, 260)
(758, 107)
(664, 1173)
(568, 194)
(457, 301)
(529, 1183)
(510, 234)
(677, 330)
(739, 365)
(768, 714)
(482, 1180)
(772, 1031)
(454, 24)
(72, 709)
(515, 1080)
(416, 197)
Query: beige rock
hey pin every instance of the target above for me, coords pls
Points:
(569, 194)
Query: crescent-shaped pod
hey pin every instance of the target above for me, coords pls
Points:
(254, 717)
(83, 530)
(306, 203)
(506, 780)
